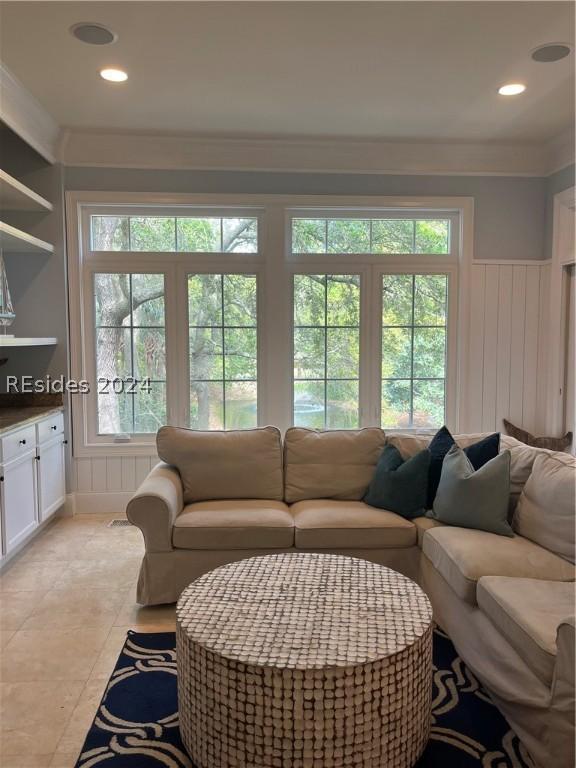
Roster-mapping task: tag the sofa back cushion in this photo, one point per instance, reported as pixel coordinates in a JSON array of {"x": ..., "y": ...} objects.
[
  {"x": 546, "y": 509},
  {"x": 237, "y": 464},
  {"x": 335, "y": 464}
]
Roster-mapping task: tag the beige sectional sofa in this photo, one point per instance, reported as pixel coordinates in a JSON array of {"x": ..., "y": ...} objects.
[{"x": 507, "y": 603}]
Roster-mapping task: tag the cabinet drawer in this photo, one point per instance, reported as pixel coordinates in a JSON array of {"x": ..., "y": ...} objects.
[
  {"x": 50, "y": 427},
  {"x": 18, "y": 443}
]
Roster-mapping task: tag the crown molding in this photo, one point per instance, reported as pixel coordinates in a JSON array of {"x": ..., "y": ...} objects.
[
  {"x": 27, "y": 117},
  {"x": 165, "y": 151}
]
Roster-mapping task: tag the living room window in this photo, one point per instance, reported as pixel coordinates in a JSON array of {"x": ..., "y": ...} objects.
[
  {"x": 233, "y": 316},
  {"x": 223, "y": 347}
]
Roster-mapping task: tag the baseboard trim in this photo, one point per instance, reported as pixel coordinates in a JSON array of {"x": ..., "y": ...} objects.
[{"x": 101, "y": 503}]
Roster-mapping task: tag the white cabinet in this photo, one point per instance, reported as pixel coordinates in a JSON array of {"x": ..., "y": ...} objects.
[
  {"x": 33, "y": 482},
  {"x": 51, "y": 478},
  {"x": 19, "y": 499}
]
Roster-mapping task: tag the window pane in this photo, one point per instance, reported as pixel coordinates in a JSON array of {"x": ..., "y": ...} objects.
[
  {"x": 113, "y": 353},
  {"x": 115, "y": 413},
  {"x": 152, "y": 233},
  {"x": 429, "y": 352},
  {"x": 309, "y": 299},
  {"x": 149, "y": 345},
  {"x": 225, "y": 354},
  {"x": 240, "y": 297},
  {"x": 195, "y": 234},
  {"x": 342, "y": 410},
  {"x": 205, "y": 300},
  {"x": 396, "y": 353},
  {"x": 309, "y": 404},
  {"x": 432, "y": 236},
  {"x": 397, "y": 300},
  {"x": 309, "y": 360},
  {"x": 206, "y": 405},
  {"x": 343, "y": 300},
  {"x": 413, "y": 350},
  {"x": 241, "y": 405},
  {"x": 240, "y": 353},
  {"x": 240, "y": 235},
  {"x": 343, "y": 352},
  {"x": 430, "y": 300},
  {"x": 326, "y": 349},
  {"x": 110, "y": 233},
  {"x": 150, "y": 407},
  {"x": 393, "y": 236},
  {"x": 130, "y": 349},
  {"x": 206, "y": 359},
  {"x": 148, "y": 300},
  {"x": 309, "y": 236},
  {"x": 429, "y": 403},
  {"x": 348, "y": 236},
  {"x": 395, "y": 403}
]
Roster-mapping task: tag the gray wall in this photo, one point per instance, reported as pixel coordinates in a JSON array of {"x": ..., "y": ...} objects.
[
  {"x": 509, "y": 211},
  {"x": 555, "y": 183}
]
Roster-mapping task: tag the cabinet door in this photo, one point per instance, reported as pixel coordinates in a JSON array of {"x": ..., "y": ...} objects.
[
  {"x": 18, "y": 500},
  {"x": 51, "y": 478}
]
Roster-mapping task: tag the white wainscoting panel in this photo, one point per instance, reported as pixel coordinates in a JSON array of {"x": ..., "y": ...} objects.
[{"x": 506, "y": 349}]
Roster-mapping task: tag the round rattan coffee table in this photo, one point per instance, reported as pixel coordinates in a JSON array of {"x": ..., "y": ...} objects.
[{"x": 304, "y": 660}]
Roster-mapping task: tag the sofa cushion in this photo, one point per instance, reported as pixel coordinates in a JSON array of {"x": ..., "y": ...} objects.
[
  {"x": 238, "y": 464},
  {"x": 400, "y": 485},
  {"x": 474, "y": 499},
  {"x": 424, "y": 524},
  {"x": 546, "y": 510},
  {"x": 528, "y": 612},
  {"x": 335, "y": 464},
  {"x": 329, "y": 524},
  {"x": 463, "y": 555},
  {"x": 234, "y": 524},
  {"x": 478, "y": 453}
]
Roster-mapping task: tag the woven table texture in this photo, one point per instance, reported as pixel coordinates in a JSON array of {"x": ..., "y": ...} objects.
[{"x": 304, "y": 660}]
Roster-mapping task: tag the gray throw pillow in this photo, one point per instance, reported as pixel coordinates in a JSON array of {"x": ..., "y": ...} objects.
[{"x": 474, "y": 499}]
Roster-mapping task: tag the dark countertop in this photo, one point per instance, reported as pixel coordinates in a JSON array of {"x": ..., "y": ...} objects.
[{"x": 12, "y": 417}]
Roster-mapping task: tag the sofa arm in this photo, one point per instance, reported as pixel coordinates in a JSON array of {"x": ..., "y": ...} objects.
[
  {"x": 562, "y": 702},
  {"x": 155, "y": 506}
]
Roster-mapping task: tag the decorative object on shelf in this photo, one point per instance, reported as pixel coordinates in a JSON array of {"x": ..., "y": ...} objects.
[
  {"x": 7, "y": 314},
  {"x": 551, "y": 443}
]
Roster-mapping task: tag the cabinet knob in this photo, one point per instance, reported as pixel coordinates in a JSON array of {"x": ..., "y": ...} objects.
[
  {"x": 37, "y": 458},
  {"x": 65, "y": 442},
  {"x": 54, "y": 427},
  {"x": 22, "y": 442},
  {"x": 2, "y": 479}
]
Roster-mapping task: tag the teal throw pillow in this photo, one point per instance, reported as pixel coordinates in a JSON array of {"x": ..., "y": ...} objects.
[
  {"x": 400, "y": 486},
  {"x": 474, "y": 498}
]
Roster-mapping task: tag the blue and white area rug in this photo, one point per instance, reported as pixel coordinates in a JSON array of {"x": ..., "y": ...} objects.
[{"x": 136, "y": 725}]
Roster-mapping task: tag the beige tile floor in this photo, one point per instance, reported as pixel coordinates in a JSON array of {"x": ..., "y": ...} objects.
[{"x": 66, "y": 604}]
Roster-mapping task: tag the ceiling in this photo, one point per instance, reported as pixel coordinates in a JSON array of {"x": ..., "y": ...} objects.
[{"x": 374, "y": 70}]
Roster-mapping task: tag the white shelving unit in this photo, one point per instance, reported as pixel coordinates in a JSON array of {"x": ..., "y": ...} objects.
[
  {"x": 15, "y": 341},
  {"x": 15, "y": 196},
  {"x": 13, "y": 240}
]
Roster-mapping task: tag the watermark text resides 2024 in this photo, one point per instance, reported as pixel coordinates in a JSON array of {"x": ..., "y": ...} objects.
[{"x": 61, "y": 384}]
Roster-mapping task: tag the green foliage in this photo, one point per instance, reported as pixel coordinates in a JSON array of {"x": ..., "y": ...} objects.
[{"x": 386, "y": 236}]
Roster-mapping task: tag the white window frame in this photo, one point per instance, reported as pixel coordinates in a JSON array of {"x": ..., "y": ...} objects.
[{"x": 274, "y": 266}]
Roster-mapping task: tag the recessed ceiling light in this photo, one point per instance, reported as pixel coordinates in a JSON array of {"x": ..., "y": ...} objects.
[
  {"x": 114, "y": 75},
  {"x": 511, "y": 89},
  {"x": 92, "y": 33},
  {"x": 549, "y": 52}
]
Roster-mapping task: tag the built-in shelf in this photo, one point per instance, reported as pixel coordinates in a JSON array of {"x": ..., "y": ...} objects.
[
  {"x": 14, "y": 240},
  {"x": 15, "y": 196},
  {"x": 22, "y": 341}
]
